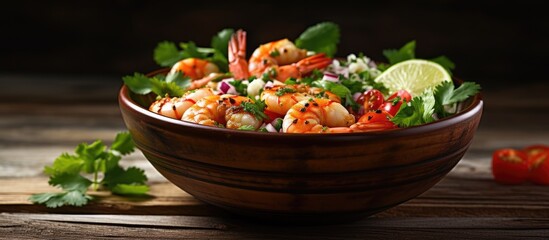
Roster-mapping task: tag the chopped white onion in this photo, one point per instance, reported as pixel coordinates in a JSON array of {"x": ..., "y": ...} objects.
[{"x": 270, "y": 128}]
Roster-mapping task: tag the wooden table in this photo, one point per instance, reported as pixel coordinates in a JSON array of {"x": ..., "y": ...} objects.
[{"x": 41, "y": 117}]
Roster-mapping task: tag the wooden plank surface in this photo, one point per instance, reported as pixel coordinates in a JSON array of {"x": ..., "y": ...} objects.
[
  {"x": 59, "y": 113},
  {"x": 13, "y": 226}
]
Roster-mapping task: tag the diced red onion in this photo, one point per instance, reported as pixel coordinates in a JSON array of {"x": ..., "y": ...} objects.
[
  {"x": 330, "y": 77},
  {"x": 226, "y": 88},
  {"x": 270, "y": 128}
]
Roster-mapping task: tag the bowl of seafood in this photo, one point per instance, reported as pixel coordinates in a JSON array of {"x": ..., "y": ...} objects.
[{"x": 292, "y": 134}]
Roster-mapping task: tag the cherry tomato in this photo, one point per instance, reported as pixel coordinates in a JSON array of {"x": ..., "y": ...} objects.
[
  {"x": 272, "y": 115},
  {"x": 376, "y": 116},
  {"x": 393, "y": 103},
  {"x": 371, "y": 100},
  {"x": 539, "y": 167},
  {"x": 510, "y": 166},
  {"x": 533, "y": 149}
]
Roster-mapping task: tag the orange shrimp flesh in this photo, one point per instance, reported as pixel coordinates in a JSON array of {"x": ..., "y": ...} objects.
[
  {"x": 222, "y": 111},
  {"x": 317, "y": 116},
  {"x": 280, "y": 98},
  {"x": 175, "y": 107},
  {"x": 195, "y": 68},
  {"x": 302, "y": 67}
]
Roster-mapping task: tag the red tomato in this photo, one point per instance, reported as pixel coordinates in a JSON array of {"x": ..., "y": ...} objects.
[
  {"x": 533, "y": 149},
  {"x": 371, "y": 100},
  {"x": 393, "y": 103},
  {"x": 376, "y": 116},
  {"x": 510, "y": 166},
  {"x": 539, "y": 167},
  {"x": 272, "y": 115}
]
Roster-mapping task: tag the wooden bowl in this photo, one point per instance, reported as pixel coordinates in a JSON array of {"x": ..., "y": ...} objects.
[{"x": 300, "y": 178}]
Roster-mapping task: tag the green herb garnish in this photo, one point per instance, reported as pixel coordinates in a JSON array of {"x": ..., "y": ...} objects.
[
  {"x": 321, "y": 38},
  {"x": 69, "y": 172},
  {"x": 256, "y": 108}
]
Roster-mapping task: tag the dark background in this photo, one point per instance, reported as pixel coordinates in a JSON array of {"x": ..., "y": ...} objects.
[{"x": 495, "y": 44}]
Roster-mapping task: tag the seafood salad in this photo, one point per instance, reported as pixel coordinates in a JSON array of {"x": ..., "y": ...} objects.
[{"x": 287, "y": 86}]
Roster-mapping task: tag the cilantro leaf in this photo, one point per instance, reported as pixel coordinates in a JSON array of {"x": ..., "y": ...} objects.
[
  {"x": 190, "y": 50},
  {"x": 166, "y": 54},
  {"x": 138, "y": 83},
  {"x": 89, "y": 153},
  {"x": 118, "y": 175},
  {"x": 70, "y": 182},
  {"x": 406, "y": 52},
  {"x": 65, "y": 163},
  {"x": 66, "y": 170},
  {"x": 464, "y": 91},
  {"x": 340, "y": 90},
  {"x": 54, "y": 200},
  {"x": 417, "y": 112},
  {"x": 322, "y": 37},
  {"x": 256, "y": 108},
  {"x": 445, "y": 62},
  {"x": 445, "y": 94},
  {"x": 163, "y": 88},
  {"x": 220, "y": 41},
  {"x": 130, "y": 189},
  {"x": 123, "y": 143}
]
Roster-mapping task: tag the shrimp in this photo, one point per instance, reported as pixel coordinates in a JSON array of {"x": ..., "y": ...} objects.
[
  {"x": 302, "y": 67},
  {"x": 222, "y": 111},
  {"x": 317, "y": 115},
  {"x": 238, "y": 65},
  {"x": 281, "y": 52},
  {"x": 280, "y": 59},
  {"x": 280, "y": 98},
  {"x": 175, "y": 107},
  {"x": 373, "y": 121},
  {"x": 195, "y": 68}
]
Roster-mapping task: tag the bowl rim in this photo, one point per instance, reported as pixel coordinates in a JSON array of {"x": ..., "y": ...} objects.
[{"x": 473, "y": 108}]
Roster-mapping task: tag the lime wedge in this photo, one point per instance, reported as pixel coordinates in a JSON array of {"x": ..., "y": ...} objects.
[{"x": 414, "y": 76}]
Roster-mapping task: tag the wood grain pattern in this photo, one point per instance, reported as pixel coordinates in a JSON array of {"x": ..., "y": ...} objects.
[{"x": 15, "y": 226}]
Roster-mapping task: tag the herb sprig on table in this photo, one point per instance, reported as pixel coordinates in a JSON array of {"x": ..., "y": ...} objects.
[{"x": 96, "y": 166}]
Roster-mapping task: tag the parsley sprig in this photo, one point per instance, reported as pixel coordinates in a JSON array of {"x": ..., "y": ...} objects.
[
  {"x": 173, "y": 84},
  {"x": 256, "y": 108},
  {"x": 93, "y": 165},
  {"x": 434, "y": 104},
  {"x": 167, "y": 53}
]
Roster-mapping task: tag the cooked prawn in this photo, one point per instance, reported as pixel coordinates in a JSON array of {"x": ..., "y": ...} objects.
[
  {"x": 281, "y": 52},
  {"x": 302, "y": 67},
  {"x": 174, "y": 107},
  {"x": 317, "y": 115},
  {"x": 222, "y": 111},
  {"x": 238, "y": 65},
  {"x": 280, "y": 59},
  {"x": 195, "y": 68},
  {"x": 280, "y": 98}
]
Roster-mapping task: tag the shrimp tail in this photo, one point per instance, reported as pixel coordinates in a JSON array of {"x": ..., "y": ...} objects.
[
  {"x": 304, "y": 66},
  {"x": 237, "y": 55},
  {"x": 317, "y": 61}
]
